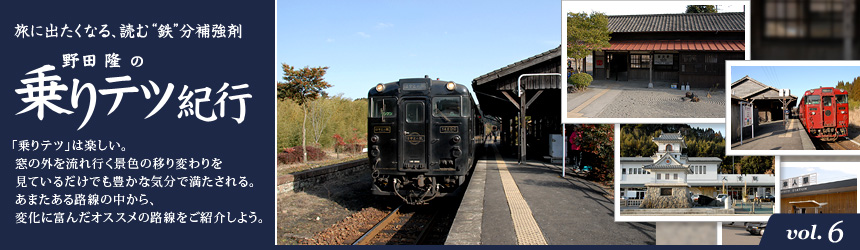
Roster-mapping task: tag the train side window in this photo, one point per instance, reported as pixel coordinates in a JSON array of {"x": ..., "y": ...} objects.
[
  {"x": 446, "y": 106},
  {"x": 841, "y": 99},
  {"x": 466, "y": 106},
  {"x": 813, "y": 99},
  {"x": 382, "y": 107},
  {"x": 827, "y": 101},
  {"x": 414, "y": 112}
]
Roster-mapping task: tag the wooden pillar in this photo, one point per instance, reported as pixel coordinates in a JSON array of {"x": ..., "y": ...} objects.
[
  {"x": 651, "y": 70},
  {"x": 522, "y": 127}
]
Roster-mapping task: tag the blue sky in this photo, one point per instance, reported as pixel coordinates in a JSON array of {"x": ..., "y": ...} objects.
[
  {"x": 797, "y": 78},
  {"x": 827, "y": 171},
  {"x": 368, "y": 42},
  {"x": 720, "y": 127}
]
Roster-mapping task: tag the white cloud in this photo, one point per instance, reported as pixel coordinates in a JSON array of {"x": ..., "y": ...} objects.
[
  {"x": 811, "y": 167},
  {"x": 330, "y": 40},
  {"x": 362, "y": 34},
  {"x": 383, "y": 25}
]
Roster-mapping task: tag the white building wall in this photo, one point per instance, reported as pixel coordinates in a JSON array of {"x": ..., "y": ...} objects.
[{"x": 709, "y": 177}]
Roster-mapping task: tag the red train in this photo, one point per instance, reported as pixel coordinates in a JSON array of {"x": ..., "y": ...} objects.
[{"x": 824, "y": 113}]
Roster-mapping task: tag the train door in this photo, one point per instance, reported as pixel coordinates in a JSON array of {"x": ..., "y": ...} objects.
[
  {"x": 414, "y": 138},
  {"x": 828, "y": 111}
]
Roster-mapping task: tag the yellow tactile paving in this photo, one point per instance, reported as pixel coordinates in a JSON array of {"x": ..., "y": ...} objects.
[
  {"x": 575, "y": 112},
  {"x": 528, "y": 232},
  {"x": 789, "y": 131}
]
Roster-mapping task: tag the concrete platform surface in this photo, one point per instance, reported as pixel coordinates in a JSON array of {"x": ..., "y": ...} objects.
[
  {"x": 532, "y": 204},
  {"x": 777, "y": 135}
]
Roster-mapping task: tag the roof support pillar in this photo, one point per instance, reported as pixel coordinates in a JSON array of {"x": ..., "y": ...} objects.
[
  {"x": 651, "y": 71},
  {"x": 521, "y": 90}
]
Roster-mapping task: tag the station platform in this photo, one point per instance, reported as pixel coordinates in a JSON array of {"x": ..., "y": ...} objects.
[
  {"x": 777, "y": 135},
  {"x": 531, "y": 204}
]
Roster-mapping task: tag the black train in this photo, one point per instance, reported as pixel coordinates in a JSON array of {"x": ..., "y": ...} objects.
[{"x": 423, "y": 136}]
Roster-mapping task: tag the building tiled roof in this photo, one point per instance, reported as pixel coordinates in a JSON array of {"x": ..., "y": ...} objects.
[
  {"x": 668, "y": 167},
  {"x": 748, "y": 88},
  {"x": 709, "y": 45},
  {"x": 729, "y": 21},
  {"x": 704, "y": 159},
  {"x": 669, "y": 137},
  {"x": 658, "y": 166}
]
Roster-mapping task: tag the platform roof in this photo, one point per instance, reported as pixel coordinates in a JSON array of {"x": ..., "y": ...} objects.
[{"x": 490, "y": 88}]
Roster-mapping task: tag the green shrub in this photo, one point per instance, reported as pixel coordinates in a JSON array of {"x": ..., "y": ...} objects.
[{"x": 580, "y": 80}]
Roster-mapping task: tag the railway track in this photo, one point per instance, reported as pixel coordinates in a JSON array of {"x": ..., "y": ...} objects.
[
  {"x": 412, "y": 225},
  {"x": 842, "y": 144}
]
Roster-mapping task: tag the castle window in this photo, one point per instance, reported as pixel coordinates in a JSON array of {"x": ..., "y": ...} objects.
[{"x": 666, "y": 192}]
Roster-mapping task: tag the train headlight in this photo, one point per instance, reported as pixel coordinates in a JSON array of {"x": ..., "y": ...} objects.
[
  {"x": 380, "y": 87},
  {"x": 374, "y": 138},
  {"x": 813, "y": 113},
  {"x": 842, "y": 112},
  {"x": 456, "y": 139},
  {"x": 449, "y": 86}
]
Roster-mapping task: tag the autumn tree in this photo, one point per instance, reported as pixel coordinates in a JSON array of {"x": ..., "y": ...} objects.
[
  {"x": 701, "y": 9},
  {"x": 585, "y": 34},
  {"x": 302, "y": 86},
  {"x": 597, "y": 140}
]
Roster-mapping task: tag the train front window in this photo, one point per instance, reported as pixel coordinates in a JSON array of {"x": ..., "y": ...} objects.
[
  {"x": 446, "y": 106},
  {"x": 841, "y": 99},
  {"x": 414, "y": 112},
  {"x": 813, "y": 99},
  {"x": 382, "y": 107},
  {"x": 827, "y": 101}
]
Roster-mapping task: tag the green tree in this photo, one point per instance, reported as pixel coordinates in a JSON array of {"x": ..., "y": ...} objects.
[
  {"x": 854, "y": 91},
  {"x": 302, "y": 86},
  {"x": 701, "y": 9},
  {"x": 756, "y": 164},
  {"x": 585, "y": 34}
]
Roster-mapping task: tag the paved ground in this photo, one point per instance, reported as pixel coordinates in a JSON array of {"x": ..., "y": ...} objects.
[
  {"x": 777, "y": 136},
  {"x": 565, "y": 211},
  {"x": 633, "y": 99},
  {"x": 686, "y": 233},
  {"x": 737, "y": 235}
]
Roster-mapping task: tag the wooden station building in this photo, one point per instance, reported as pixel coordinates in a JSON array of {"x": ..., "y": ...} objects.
[
  {"x": 497, "y": 93},
  {"x": 768, "y": 104},
  {"x": 838, "y": 197},
  {"x": 676, "y": 48}
]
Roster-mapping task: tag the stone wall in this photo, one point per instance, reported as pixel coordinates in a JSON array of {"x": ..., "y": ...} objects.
[
  {"x": 300, "y": 180},
  {"x": 680, "y": 198}
]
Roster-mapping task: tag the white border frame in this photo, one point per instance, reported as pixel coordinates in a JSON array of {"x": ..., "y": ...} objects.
[
  {"x": 810, "y": 63},
  {"x": 679, "y": 218},
  {"x": 567, "y": 120},
  {"x": 814, "y": 162}
]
